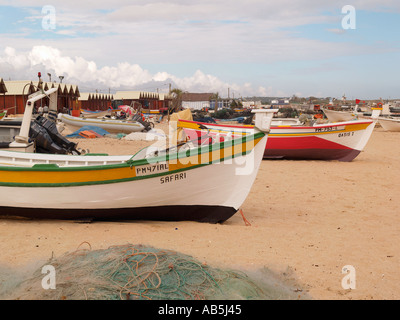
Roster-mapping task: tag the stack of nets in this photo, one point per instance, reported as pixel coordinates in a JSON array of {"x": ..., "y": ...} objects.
[{"x": 130, "y": 272}]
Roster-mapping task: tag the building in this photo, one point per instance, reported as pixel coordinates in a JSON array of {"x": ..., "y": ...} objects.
[
  {"x": 3, "y": 90},
  {"x": 68, "y": 95},
  {"x": 280, "y": 103},
  {"x": 196, "y": 101},
  {"x": 94, "y": 101},
  {"x": 251, "y": 104},
  {"x": 148, "y": 100},
  {"x": 15, "y": 98}
]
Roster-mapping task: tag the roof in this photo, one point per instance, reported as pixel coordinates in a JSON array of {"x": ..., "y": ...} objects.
[
  {"x": 85, "y": 96},
  {"x": 191, "y": 97},
  {"x": 164, "y": 96},
  {"x": 17, "y": 87},
  {"x": 135, "y": 95},
  {"x": 3, "y": 88}
]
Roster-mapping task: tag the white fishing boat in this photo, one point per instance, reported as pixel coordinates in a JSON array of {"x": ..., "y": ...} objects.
[
  {"x": 95, "y": 113},
  {"x": 340, "y": 116},
  {"x": 207, "y": 184},
  {"x": 389, "y": 124},
  {"x": 111, "y": 125}
]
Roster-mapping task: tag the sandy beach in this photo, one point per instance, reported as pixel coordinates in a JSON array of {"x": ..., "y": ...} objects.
[{"x": 308, "y": 219}]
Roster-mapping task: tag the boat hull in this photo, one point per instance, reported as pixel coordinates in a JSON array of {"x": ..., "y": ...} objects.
[
  {"x": 95, "y": 114},
  {"x": 206, "y": 187},
  {"x": 390, "y": 124},
  {"x": 113, "y": 126},
  {"x": 339, "y": 141},
  {"x": 340, "y": 116},
  {"x": 198, "y": 213},
  {"x": 312, "y": 153}
]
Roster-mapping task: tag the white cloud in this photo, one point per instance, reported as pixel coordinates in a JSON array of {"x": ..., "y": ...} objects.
[{"x": 87, "y": 73}]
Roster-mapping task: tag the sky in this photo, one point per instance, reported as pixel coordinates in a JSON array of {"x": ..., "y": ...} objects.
[{"x": 241, "y": 48}]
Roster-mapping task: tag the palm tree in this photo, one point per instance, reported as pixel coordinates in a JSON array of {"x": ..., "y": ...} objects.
[
  {"x": 215, "y": 97},
  {"x": 176, "y": 100}
]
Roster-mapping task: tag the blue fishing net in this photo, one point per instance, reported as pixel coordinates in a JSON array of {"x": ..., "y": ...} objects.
[{"x": 98, "y": 130}]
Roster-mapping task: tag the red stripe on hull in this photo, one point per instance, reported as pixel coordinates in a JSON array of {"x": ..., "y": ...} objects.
[
  {"x": 307, "y": 148},
  {"x": 293, "y": 148},
  {"x": 309, "y": 142}
]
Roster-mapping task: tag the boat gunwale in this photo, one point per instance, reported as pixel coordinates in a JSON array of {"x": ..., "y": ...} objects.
[
  {"x": 100, "y": 120},
  {"x": 352, "y": 122},
  {"x": 139, "y": 162},
  {"x": 130, "y": 179}
]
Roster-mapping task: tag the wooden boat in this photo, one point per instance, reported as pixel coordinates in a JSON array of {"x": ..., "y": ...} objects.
[
  {"x": 341, "y": 141},
  {"x": 95, "y": 114},
  {"x": 389, "y": 124},
  {"x": 207, "y": 184},
  {"x": 111, "y": 125},
  {"x": 340, "y": 116}
]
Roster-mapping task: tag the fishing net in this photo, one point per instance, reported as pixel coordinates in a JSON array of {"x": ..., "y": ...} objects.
[{"x": 131, "y": 272}]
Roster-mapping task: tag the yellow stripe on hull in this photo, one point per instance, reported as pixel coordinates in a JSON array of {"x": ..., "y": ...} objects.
[
  {"x": 59, "y": 175},
  {"x": 348, "y": 128}
]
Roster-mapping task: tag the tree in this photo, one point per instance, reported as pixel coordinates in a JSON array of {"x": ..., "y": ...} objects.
[
  {"x": 236, "y": 104},
  {"x": 176, "y": 100},
  {"x": 215, "y": 97}
]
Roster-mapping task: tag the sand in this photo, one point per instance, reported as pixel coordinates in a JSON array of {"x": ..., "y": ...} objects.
[{"x": 308, "y": 219}]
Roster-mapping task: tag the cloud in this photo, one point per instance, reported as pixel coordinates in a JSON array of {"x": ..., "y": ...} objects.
[
  {"x": 177, "y": 31},
  {"x": 200, "y": 45},
  {"x": 86, "y": 73}
]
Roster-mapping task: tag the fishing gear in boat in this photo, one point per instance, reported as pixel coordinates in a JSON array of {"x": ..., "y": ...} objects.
[{"x": 48, "y": 140}]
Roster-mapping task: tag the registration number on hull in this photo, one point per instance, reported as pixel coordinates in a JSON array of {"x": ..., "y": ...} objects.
[
  {"x": 149, "y": 169},
  {"x": 326, "y": 129}
]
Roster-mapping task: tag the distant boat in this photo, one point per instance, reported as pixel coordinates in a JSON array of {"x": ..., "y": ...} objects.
[
  {"x": 111, "y": 125},
  {"x": 201, "y": 183},
  {"x": 9, "y": 129},
  {"x": 341, "y": 141},
  {"x": 285, "y": 121},
  {"x": 389, "y": 124},
  {"x": 394, "y": 109},
  {"x": 95, "y": 114},
  {"x": 340, "y": 116}
]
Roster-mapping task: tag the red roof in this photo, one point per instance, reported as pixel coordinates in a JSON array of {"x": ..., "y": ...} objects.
[{"x": 196, "y": 96}]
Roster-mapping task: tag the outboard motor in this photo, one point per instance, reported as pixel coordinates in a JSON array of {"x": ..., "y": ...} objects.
[
  {"x": 138, "y": 118},
  {"x": 48, "y": 139}
]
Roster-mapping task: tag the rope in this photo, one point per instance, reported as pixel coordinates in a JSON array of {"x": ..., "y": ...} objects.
[{"x": 246, "y": 222}]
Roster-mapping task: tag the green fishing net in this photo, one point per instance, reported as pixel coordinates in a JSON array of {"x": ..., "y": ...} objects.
[{"x": 129, "y": 272}]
